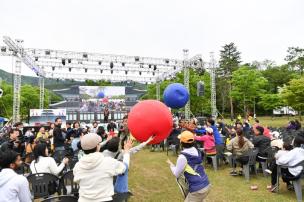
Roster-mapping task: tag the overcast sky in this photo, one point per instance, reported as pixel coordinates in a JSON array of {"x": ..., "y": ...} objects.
[{"x": 261, "y": 29}]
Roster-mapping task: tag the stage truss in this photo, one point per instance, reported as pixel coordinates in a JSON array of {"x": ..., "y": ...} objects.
[{"x": 58, "y": 64}]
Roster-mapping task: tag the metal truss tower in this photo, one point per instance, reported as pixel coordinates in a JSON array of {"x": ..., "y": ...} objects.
[
  {"x": 213, "y": 85},
  {"x": 186, "y": 81},
  {"x": 41, "y": 94},
  {"x": 17, "y": 89}
]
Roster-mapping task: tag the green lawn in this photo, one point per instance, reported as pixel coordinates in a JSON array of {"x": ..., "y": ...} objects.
[
  {"x": 151, "y": 180},
  {"x": 273, "y": 121}
]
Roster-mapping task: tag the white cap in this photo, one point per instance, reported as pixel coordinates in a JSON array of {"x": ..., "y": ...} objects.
[{"x": 209, "y": 130}]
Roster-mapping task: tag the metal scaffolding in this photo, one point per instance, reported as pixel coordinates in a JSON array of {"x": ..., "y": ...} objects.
[
  {"x": 82, "y": 66},
  {"x": 186, "y": 81},
  {"x": 212, "y": 68},
  {"x": 41, "y": 94},
  {"x": 17, "y": 88}
]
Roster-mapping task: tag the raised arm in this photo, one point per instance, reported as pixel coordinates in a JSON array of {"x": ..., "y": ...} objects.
[{"x": 180, "y": 165}]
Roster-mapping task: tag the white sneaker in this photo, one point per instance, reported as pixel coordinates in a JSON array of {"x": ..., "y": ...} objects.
[{"x": 268, "y": 171}]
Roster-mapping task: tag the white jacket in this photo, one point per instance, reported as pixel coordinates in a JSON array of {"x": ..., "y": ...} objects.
[
  {"x": 13, "y": 187},
  {"x": 46, "y": 165},
  {"x": 94, "y": 173},
  {"x": 292, "y": 158}
]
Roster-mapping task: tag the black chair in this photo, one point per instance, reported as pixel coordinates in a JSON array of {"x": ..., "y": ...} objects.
[
  {"x": 62, "y": 198},
  {"x": 122, "y": 197},
  {"x": 43, "y": 185},
  {"x": 68, "y": 185}
]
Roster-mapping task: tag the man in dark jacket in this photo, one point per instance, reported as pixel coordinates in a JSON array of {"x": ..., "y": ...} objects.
[
  {"x": 12, "y": 142},
  {"x": 261, "y": 142},
  {"x": 58, "y": 136}
]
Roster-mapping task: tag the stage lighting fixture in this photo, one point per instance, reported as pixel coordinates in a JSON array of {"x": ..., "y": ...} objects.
[
  {"x": 36, "y": 59},
  {"x": 123, "y": 64},
  {"x": 47, "y": 52},
  {"x": 139, "y": 73},
  {"x": 86, "y": 70},
  {"x": 150, "y": 66},
  {"x": 99, "y": 62},
  {"x": 136, "y": 58},
  {"x": 155, "y": 67},
  {"x": 153, "y": 73},
  {"x": 167, "y": 61},
  {"x": 70, "y": 69},
  {"x": 53, "y": 68},
  {"x": 101, "y": 71},
  {"x": 111, "y": 71},
  {"x": 126, "y": 72},
  {"x": 85, "y": 55},
  {"x": 69, "y": 60},
  {"x": 63, "y": 61},
  {"x": 3, "y": 49},
  {"x": 174, "y": 67},
  {"x": 111, "y": 65}
]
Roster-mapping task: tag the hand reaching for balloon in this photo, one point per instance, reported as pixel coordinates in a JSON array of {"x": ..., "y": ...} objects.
[
  {"x": 150, "y": 139},
  {"x": 128, "y": 145},
  {"x": 169, "y": 162}
]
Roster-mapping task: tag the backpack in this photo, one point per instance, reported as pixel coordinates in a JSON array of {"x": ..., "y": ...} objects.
[{"x": 183, "y": 183}]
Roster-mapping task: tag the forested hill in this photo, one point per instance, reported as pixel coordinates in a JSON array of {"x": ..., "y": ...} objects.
[{"x": 49, "y": 83}]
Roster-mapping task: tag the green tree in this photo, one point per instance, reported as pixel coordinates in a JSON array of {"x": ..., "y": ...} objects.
[
  {"x": 293, "y": 94},
  {"x": 29, "y": 99},
  {"x": 197, "y": 104},
  {"x": 278, "y": 76},
  {"x": 271, "y": 101},
  {"x": 6, "y": 101},
  {"x": 295, "y": 58},
  {"x": 230, "y": 58},
  {"x": 247, "y": 85},
  {"x": 98, "y": 83}
]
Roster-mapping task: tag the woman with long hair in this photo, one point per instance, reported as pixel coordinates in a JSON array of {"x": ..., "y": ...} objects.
[
  {"x": 239, "y": 146},
  {"x": 42, "y": 163}
]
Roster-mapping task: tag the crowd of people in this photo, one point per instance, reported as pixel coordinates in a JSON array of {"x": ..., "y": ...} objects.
[
  {"x": 282, "y": 147},
  {"x": 101, "y": 155}
]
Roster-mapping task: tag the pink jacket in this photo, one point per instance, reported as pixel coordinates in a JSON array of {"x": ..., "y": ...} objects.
[{"x": 209, "y": 143}]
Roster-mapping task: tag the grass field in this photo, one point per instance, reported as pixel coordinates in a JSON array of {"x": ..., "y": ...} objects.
[
  {"x": 273, "y": 121},
  {"x": 151, "y": 179}
]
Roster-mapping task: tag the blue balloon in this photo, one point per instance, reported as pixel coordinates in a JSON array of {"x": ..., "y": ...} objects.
[
  {"x": 100, "y": 95},
  {"x": 176, "y": 95}
]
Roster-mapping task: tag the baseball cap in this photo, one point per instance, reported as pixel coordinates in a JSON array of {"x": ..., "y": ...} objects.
[
  {"x": 90, "y": 141},
  {"x": 209, "y": 130},
  {"x": 186, "y": 137}
]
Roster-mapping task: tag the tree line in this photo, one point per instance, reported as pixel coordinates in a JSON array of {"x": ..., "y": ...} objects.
[
  {"x": 29, "y": 99},
  {"x": 247, "y": 88}
]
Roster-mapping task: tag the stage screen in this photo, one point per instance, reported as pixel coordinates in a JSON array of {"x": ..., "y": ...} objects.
[
  {"x": 97, "y": 98},
  {"x": 41, "y": 117}
]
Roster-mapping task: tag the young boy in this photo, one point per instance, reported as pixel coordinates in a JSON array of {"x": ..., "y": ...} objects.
[{"x": 189, "y": 163}]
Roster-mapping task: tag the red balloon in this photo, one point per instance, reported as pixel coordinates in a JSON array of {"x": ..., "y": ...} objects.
[{"x": 150, "y": 117}]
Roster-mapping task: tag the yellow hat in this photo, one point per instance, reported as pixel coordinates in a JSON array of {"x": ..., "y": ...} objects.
[{"x": 186, "y": 137}]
